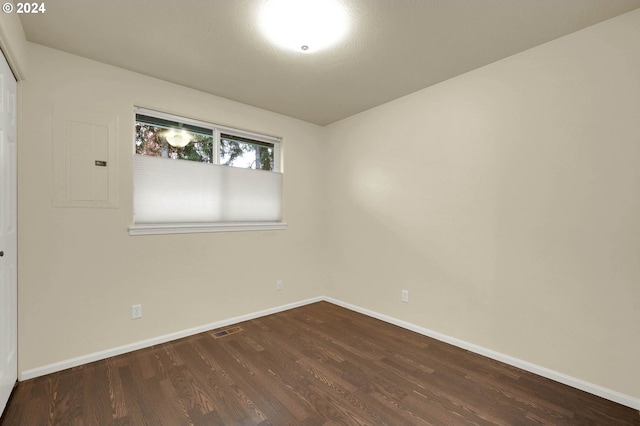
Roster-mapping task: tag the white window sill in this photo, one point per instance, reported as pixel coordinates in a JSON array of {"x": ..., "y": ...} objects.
[{"x": 193, "y": 228}]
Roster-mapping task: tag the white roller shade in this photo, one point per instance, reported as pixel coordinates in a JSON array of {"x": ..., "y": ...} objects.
[{"x": 180, "y": 191}]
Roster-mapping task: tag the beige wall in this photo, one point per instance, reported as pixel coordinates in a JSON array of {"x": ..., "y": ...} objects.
[
  {"x": 507, "y": 201},
  {"x": 80, "y": 271}
]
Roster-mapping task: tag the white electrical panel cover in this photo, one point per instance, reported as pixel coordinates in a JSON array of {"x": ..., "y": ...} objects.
[{"x": 84, "y": 152}]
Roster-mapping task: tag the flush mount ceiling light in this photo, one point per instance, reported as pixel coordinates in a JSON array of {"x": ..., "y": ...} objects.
[
  {"x": 304, "y": 25},
  {"x": 177, "y": 138}
]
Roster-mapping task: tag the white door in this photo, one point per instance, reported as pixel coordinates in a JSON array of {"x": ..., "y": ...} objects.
[{"x": 8, "y": 235}]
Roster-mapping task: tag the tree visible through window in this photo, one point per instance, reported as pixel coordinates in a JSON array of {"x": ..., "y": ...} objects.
[
  {"x": 152, "y": 140},
  {"x": 247, "y": 153}
]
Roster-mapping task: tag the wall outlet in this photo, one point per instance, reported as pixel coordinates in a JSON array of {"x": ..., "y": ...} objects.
[
  {"x": 405, "y": 296},
  {"x": 279, "y": 285},
  {"x": 136, "y": 311}
]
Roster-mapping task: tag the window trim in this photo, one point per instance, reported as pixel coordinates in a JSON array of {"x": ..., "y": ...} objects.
[
  {"x": 195, "y": 228},
  {"x": 206, "y": 227}
]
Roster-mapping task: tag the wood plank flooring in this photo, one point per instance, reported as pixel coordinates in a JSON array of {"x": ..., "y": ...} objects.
[{"x": 315, "y": 365}]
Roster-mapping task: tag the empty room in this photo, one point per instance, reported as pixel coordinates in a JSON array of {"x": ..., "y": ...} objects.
[{"x": 320, "y": 212}]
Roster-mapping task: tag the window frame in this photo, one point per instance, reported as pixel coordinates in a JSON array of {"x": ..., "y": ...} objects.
[{"x": 217, "y": 131}]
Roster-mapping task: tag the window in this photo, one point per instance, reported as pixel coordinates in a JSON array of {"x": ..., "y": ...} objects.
[
  {"x": 192, "y": 176},
  {"x": 151, "y": 139},
  {"x": 242, "y": 152}
]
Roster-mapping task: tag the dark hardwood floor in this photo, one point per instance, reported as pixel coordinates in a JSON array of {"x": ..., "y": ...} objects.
[{"x": 315, "y": 365}]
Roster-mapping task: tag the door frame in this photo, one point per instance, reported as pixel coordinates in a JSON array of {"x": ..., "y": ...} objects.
[
  {"x": 13, "y": 46},
  {"x": 9, "y": 241}
]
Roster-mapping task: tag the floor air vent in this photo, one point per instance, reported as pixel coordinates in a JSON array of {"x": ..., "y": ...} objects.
[{"x": 226, "y": 332}]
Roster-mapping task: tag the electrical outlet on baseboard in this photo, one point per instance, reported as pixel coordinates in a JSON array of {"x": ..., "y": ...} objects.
[
  {"x": 405, "y": 296},
  {"x": 279, "y": 284}
]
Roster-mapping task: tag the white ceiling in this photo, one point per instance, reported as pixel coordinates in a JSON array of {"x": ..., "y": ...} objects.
[{"x": 394, "y": 48}]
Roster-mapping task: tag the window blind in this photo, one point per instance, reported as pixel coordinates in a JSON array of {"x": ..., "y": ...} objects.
[{"x": 177, "y": 191}]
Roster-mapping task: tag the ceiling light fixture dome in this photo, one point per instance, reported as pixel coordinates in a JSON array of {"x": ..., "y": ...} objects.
[
  {"x": 177, "y": 138},
  {"x": 304, "y": 25}
]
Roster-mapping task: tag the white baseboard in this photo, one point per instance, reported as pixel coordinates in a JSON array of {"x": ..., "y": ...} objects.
[
  {"x": 96, "y": 356},
  {"x": 591, "y": 388}
]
